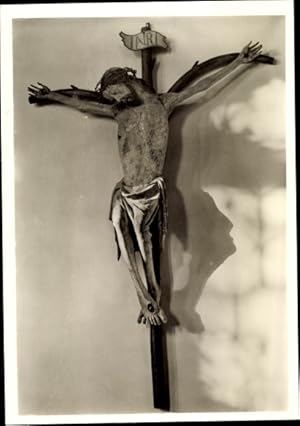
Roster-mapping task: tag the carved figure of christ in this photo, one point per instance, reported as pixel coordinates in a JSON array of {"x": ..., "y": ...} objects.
[{"x": 142, "y": 119}]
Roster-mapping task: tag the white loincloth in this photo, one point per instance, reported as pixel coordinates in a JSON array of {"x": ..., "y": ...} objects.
[{"x": 143, "y": 206}]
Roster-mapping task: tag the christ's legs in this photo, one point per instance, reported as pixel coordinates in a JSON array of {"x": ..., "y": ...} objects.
[
  {"x": 145, "y": 242},
  {"x": 149, "y": 308},
  {"x": 153, "y": 286}
]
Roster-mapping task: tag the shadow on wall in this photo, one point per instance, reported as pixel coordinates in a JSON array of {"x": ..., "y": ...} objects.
[{"x": 223, "y": 159}]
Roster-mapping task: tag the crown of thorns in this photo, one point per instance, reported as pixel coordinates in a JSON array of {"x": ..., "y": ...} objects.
[{"x": 115, "y": 75}]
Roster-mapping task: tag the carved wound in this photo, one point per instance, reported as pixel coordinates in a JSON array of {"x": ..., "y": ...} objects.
[{"x": 150, "y": 307}]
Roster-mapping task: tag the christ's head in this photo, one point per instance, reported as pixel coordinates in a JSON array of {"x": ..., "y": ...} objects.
[{"x": 121, "y": 86}]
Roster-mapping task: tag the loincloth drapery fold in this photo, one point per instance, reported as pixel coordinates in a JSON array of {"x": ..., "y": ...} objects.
[{"x": 142, "y": 208}]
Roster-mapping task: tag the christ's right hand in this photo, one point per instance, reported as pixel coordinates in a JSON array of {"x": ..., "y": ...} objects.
[{"x": 38, "y": 93}]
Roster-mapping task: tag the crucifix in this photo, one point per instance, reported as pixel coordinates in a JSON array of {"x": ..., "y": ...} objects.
[{"x": 139, "y": 201}]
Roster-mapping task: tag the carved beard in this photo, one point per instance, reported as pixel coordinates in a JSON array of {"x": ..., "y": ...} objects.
[{"x": 131, "y": 100}]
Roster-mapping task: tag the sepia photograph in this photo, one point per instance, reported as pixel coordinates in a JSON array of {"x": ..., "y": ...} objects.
[{"x": 149, "y": 218}]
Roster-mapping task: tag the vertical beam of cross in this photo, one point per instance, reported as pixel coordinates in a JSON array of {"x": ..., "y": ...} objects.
[
  {"x": 147, "y": 60},
  {"x": 159, "y": 361},
  {"x": 158, "y": 342},
  {"x": 145, "y": 41}
]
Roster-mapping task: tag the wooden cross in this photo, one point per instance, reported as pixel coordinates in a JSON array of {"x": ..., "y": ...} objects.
[{"x": 145, "y": 41}]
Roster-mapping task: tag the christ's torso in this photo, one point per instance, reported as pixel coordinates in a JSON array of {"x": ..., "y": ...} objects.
[{"x": 143, "y": 138}]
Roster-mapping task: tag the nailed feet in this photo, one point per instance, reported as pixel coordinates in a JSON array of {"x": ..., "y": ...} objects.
[{"x": 151, "y": 313}]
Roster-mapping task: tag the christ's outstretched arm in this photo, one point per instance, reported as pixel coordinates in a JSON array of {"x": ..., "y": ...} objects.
[
  {"x": 211, "y": 85},
  {"x": 43, "y": 93}
]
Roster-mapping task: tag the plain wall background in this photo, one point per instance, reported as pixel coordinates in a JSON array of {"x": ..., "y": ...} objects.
[{"x": 80, "y": 349}]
